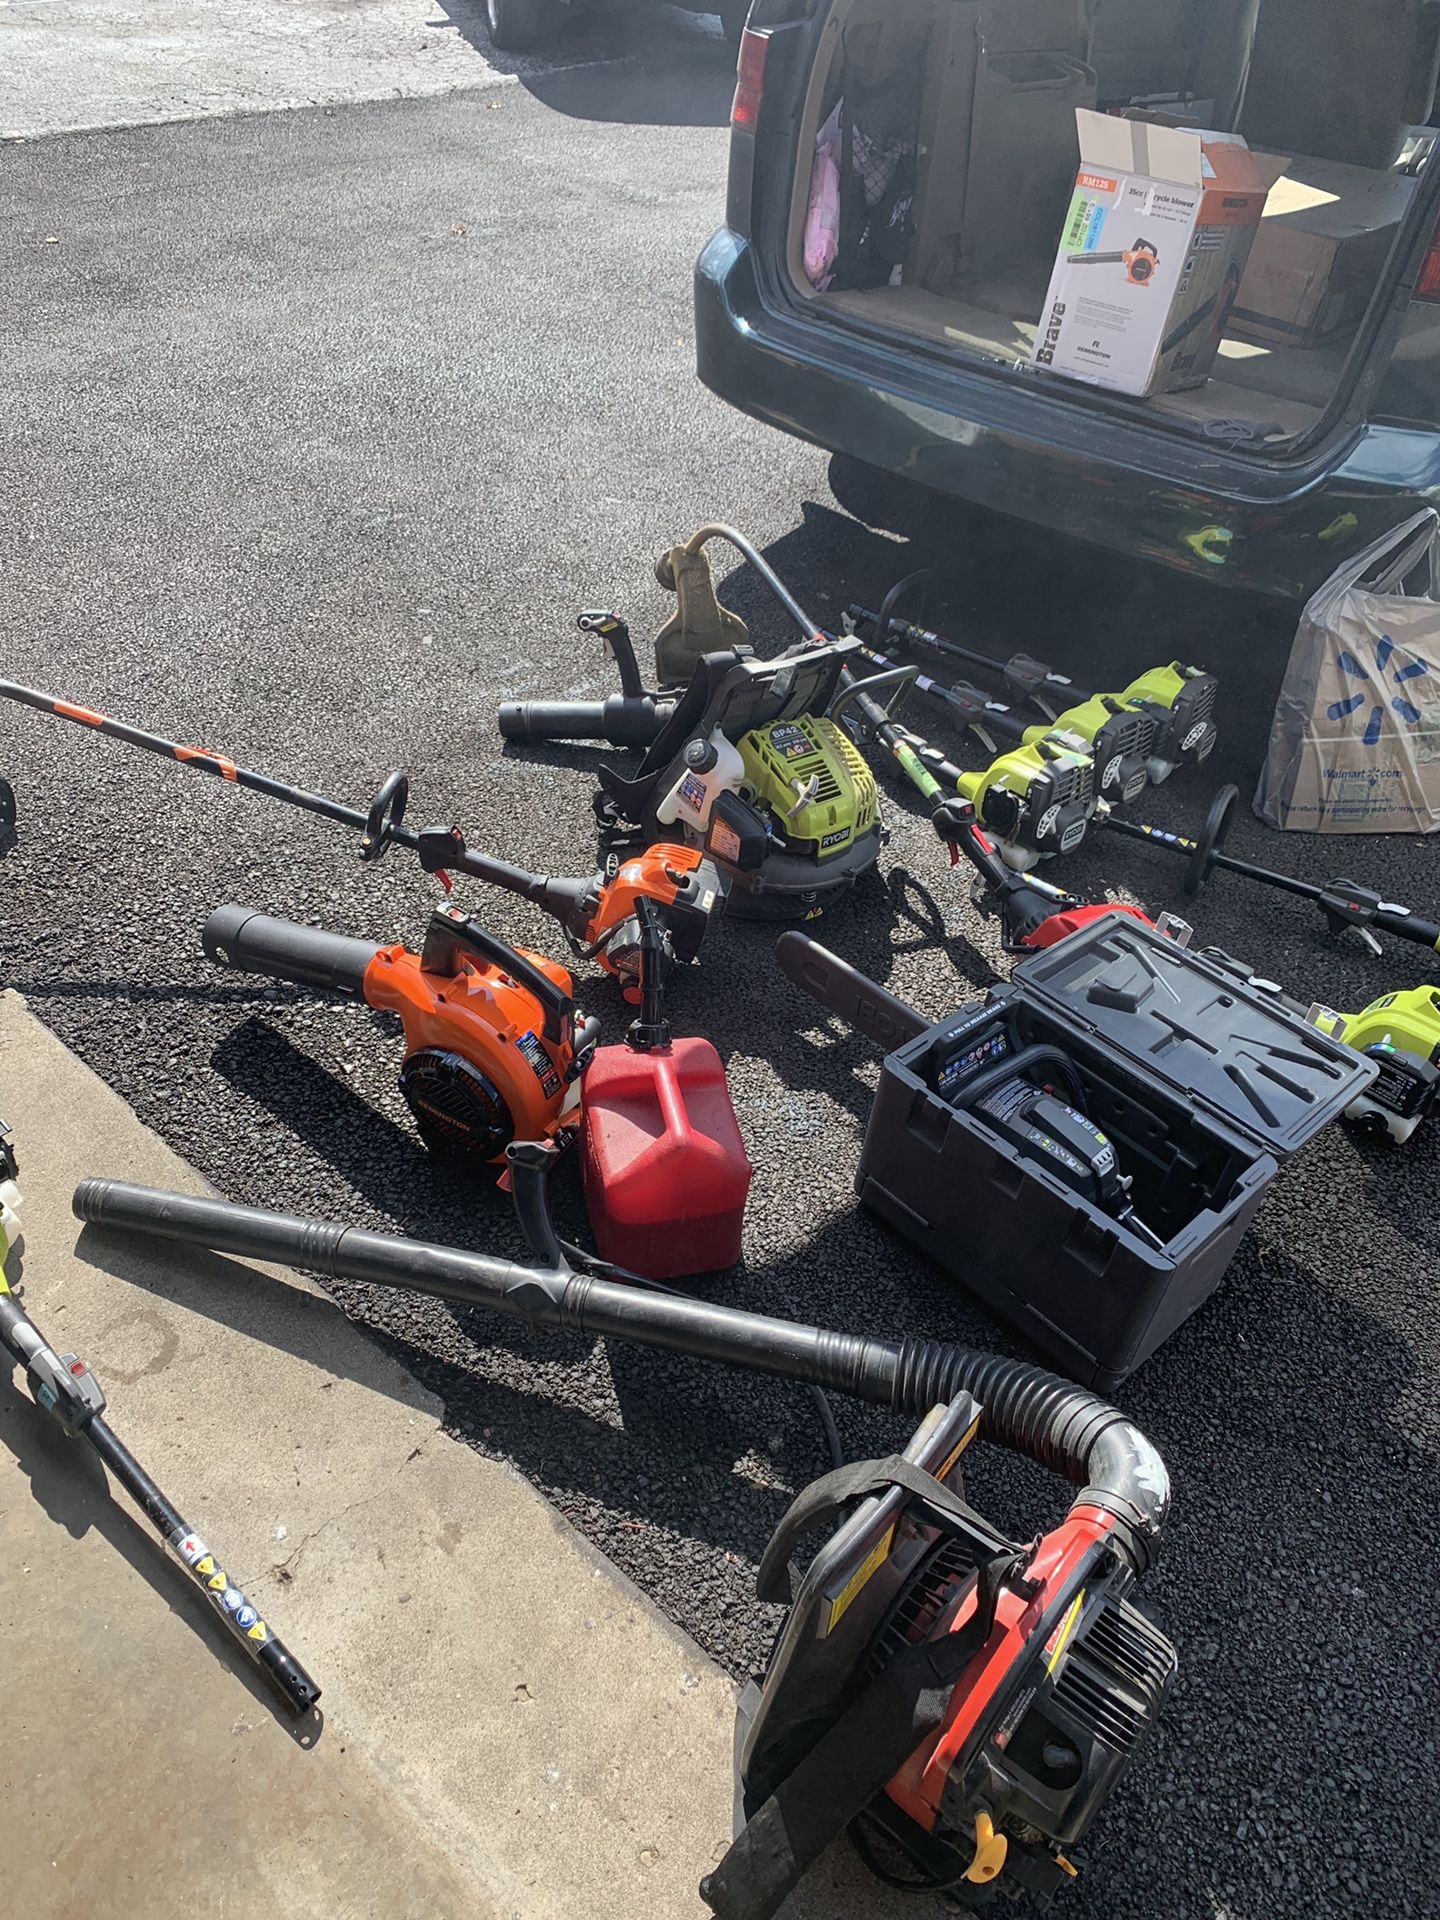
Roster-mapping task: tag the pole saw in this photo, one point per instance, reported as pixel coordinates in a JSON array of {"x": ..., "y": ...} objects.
[
  {"x": 62, "y": 1385},
  {"x": 597, "y": 914}
]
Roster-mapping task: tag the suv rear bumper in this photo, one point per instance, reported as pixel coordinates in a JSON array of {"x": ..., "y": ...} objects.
[{"x": 1278, "y": 528}]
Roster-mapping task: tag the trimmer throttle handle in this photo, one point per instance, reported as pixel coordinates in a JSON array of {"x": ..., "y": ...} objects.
[
  {"x": 1211, "y": 839},
  {"x": 386, "y": 812},
  {"x": 249, "y": 942}
]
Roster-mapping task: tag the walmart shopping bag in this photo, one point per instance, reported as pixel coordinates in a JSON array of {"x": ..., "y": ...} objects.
[{"x": 1355, "y": 743}]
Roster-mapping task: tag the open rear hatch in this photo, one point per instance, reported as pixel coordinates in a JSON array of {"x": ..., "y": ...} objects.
[{"x": 937, "y": 155}]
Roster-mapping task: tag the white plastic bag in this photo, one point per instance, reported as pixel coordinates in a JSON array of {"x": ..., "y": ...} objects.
[{"x": 1355, "y": 742}]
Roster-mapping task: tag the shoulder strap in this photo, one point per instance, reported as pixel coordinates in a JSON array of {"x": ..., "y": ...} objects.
[
  {"x": 851, "y": 1762},
  {"x": 824, "y": 1498}
]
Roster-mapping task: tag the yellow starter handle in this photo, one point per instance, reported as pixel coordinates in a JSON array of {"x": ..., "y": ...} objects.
[{"x": 990, "y": 1851}]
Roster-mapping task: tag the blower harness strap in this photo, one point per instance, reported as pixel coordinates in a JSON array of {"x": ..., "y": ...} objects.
[{"x": 867, "y": 1745}]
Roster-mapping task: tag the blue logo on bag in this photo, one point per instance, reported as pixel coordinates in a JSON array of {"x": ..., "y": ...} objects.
[{"x": 1408, "y": 712}]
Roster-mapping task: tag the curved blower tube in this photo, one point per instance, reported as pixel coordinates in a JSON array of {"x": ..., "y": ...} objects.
[
  {"x": 1063, "y": 1427},
  {"x": 624, "y": 720},
  {"x": 249, "y": 942}
]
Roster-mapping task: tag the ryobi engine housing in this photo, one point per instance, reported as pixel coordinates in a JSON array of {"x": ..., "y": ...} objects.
[
  {"x": 1036, "y": 800},
  {"x": 813, "y": 784}
]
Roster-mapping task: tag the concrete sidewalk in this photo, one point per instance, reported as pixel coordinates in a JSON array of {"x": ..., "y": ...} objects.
[{"x": 509, "y": 1729}]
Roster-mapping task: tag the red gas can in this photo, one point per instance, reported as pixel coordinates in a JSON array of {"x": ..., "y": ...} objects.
[{"x": 665, "y": 1169}]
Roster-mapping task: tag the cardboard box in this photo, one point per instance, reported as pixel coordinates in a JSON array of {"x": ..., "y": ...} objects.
[
  {"x": 1151, "y": 255},
  {"x": 1323, "y": 242}
]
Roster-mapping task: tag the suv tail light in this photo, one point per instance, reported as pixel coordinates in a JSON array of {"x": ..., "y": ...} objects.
[
  {"x": 1427, "y": 287},
  {"x": 750, "y": 79}
]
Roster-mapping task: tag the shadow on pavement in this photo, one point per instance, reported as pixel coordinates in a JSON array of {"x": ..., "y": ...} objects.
[
  {"x": 70, "y": 1486},
  {"x": 642, "y": 65}
]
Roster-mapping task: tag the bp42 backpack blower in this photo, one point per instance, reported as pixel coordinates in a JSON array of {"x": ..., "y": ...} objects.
[
  {"x": 744, "y": 761},
  {"x": 963, "y": 1703},
  {"x": 597, "y": 913}
]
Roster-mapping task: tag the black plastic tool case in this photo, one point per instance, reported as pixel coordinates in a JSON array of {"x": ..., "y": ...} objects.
[{"x": 1204, "y": 1085}]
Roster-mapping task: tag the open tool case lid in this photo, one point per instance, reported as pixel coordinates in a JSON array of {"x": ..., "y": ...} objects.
[{"x": 1181, "y": 1020}]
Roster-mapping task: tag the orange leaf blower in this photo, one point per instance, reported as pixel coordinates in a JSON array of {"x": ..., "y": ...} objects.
[{"x": 494, "y": 1049}]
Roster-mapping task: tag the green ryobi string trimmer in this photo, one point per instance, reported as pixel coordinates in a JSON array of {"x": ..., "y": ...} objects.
[
  {"x": 1174, "y": 704},
  {"x": 1032, "y": 801}
]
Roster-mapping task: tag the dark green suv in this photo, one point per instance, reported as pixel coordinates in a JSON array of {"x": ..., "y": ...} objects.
[{"x": 900, "y": 172}]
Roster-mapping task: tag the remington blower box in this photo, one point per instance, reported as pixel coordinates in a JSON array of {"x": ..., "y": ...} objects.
[
  {"x": 1179, "y": 1093},
  {"x": 1151, "y": 254}
]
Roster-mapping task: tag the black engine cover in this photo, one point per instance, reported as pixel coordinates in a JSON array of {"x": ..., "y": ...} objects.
[{"x": 457, "y": 1110}]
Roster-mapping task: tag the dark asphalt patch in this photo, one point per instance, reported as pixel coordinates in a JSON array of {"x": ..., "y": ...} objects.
[{"x": 319, "y": 429}]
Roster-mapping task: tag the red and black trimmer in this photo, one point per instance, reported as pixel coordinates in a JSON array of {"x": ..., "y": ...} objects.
[
  {"x": 597, "y": 914},
  {"x": 963, "y": 1703},
  {"x": 1032, "y": 912}
]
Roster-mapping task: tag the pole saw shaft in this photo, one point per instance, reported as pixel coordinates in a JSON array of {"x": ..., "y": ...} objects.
[
  {"x": 64, "y": 1387},
  {"x": 374, "y": 827}
]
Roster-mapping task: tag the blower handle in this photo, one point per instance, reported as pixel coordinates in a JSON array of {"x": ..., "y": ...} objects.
[
  {"x": 621, "y": 648},
  {"x": 250, "y": 942},
  {"x": 843, "y": 990},
  {"x": 452, "y": 935},
  {"x": 622, "y": 720}
]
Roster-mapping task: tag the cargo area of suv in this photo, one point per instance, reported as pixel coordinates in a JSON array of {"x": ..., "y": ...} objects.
[{"x": 950, "y": 130}]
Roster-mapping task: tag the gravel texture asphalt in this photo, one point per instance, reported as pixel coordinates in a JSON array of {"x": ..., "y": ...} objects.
[{"x": 318, "y": 428}]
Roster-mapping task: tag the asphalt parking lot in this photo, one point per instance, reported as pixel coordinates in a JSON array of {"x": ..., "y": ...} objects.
[{"x": 319, "y": 426}]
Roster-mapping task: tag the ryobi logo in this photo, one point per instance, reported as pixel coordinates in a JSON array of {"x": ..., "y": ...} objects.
[{"x": 1072, "y": 836}]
